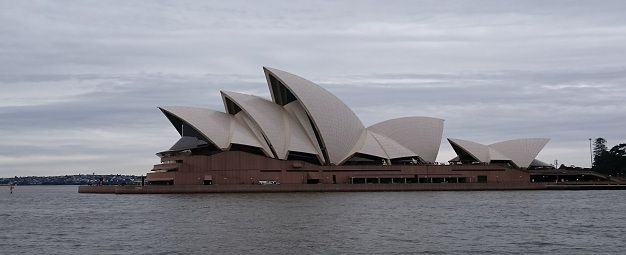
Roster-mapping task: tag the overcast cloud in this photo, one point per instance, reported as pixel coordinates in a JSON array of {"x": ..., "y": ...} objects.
[{"x": 80, "y": 80}]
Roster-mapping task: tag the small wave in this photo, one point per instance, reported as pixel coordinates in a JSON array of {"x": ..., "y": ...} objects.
[{"x": 538, "y": 243}]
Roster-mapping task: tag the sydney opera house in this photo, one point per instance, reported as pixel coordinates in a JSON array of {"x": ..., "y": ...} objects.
[{"x": 306, "y": 135}]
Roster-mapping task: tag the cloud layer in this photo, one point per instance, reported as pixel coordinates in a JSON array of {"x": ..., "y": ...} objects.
[{"x": 80, "y": 81}]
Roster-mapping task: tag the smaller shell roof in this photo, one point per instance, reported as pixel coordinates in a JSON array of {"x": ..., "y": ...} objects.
[
  {"x": 539, "y": 163},
  {"x": 283, "y": 132},
  {"x": 372, "y": 147},
  {"x": 267, "y": 115},
  {"x": 421, "y": 135},
  {"x": 255, "y": 132},
  {"x": 242, "y": 134},
  {"x": 521, "y": 152},
  {"x": 384, "y": 147},
  {"x": 221, "y": 129},
  {"x": 298, "y": 139},
  {"x": 478, "y": 151},
  {"x": 495, "y": 155},
  {"x": 392, "y": 148},
  {"x": 304, "y": 131},
  {"x": 214, "y": 125}
]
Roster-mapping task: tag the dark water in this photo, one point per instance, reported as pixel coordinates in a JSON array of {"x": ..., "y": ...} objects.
[{"x": 58, "y": 220}]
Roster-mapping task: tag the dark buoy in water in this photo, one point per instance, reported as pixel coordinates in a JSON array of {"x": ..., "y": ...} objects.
[{"x": 11, "y": 187}]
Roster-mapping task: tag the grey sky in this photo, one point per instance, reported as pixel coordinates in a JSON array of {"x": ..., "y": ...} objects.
[{"x": 80, "y": 80}]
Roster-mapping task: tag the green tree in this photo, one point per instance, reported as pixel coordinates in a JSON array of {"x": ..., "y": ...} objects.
[
  {"x": 610, "y": 162},
  {"x": 618, "y": 150},
  {"x": 600, "y": 155},
  {"x": 599, "y": 147},
  {"x": 616, "y": 164}
]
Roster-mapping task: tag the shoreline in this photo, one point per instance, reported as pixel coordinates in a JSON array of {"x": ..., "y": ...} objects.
[{"x": 285, "y": 188}]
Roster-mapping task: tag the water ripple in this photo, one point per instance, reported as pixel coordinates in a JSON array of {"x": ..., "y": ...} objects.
[{"x": 58, "y": 220}]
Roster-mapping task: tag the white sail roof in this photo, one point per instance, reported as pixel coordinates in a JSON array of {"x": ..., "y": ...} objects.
[
  {"x": 247, "y": 132},
  {"x": 371, "y": 146},
  {"x": 421, "y": 135},
  {"x": 392, "y": 148},
  {"x": 521, "y": 151},
  {"x": 214, "y": 125},
  {"x": 495, "y": 155},
  {"x": 267, "y": 115},
  {"x": 221, "y": 129},
  {"x": 476, "y": 150},
  {"x": 304, "y": 117},
  {"x": 281, "y": 131},
  {"x": 338, "y": 128}
]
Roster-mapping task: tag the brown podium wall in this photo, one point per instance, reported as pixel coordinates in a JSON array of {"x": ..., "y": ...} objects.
[{"x": 234, "y": 167}]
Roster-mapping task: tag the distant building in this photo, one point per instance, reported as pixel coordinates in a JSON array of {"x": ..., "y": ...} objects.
[{"x": 306, "y": 135}]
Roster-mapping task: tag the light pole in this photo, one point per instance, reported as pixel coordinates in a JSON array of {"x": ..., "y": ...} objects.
[{"x": 590, "y": 154}]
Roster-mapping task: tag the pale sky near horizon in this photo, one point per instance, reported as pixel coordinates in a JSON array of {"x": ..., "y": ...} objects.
[{"x": 80, "y": 81}]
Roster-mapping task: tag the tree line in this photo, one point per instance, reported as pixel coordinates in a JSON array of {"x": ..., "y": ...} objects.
[{"x": 610, "y": 162}]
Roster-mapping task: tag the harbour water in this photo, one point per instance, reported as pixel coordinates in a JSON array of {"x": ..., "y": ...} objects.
[{"x": 58, "y": 220}]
